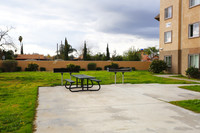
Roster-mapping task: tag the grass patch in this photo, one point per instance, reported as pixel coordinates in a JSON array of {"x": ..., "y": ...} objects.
[
  {"x": 193, "y": 105},
  {"x": 192, "y": 88},
  {"x": 18, "y": 93}
]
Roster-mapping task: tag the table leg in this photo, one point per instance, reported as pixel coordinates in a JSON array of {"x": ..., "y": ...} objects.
[
  {"x": 115, "y": 77},
  {"x": 82, "y": 84},
  {"x": 122, "y": 77},
  {"x": 76, "y": 82},
  {"x": 87, "y": 84},
  {"x": 61, "y": 78}
]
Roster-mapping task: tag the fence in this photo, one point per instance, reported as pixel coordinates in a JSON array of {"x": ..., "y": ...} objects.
[{"x": 50, "y": 65}]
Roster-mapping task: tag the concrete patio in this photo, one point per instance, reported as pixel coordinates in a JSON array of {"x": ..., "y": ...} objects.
[{"x": 129, "y": 108}]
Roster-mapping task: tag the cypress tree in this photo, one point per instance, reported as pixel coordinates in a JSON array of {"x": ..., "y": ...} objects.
[
  {"x": 107, "y": 53},
  {"x": 66, "y": 50},
  {"x": 85, "y": 51}
]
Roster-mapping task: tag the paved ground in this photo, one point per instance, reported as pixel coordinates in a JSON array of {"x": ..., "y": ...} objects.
[{"x": 129, "y": 108}]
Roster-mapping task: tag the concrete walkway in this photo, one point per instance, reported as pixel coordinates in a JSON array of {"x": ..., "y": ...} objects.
[
  {"x": 169, "y": 76},
  {"x": 129, "y": 108}
]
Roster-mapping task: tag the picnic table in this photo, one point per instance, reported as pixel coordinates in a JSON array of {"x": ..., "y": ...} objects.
[{"x": 81, "y": 78}]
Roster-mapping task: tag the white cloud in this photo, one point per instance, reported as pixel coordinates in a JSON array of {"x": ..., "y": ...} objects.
[{"x": 43, "y": 24}]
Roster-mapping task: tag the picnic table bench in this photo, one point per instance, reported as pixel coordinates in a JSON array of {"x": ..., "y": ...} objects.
[{"x": 81, "y": 78}]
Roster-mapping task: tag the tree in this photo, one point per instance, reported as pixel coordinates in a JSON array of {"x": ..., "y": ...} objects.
[
  {"x": 66, "y": 50},
  {"x": 85, "y": 51},
  {"x": 5, "y": 39},
  {"x": 151, "y": 51},
  {"x": 61, "y": 50},
  {"x": 132, "y": 55},
  {"x": 107, "y": 53},
  {"x": 20, "y": 40}
]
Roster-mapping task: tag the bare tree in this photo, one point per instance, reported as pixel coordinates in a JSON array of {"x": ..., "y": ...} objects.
[{"x": 5, "y": 39}]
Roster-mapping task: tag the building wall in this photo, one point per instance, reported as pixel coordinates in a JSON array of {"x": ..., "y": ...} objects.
[
  {"x": 181, "y": 45},
  {"x": 50, "y": 65}
]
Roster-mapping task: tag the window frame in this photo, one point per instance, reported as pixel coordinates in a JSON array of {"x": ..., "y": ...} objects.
[
  {"x": 171, "y": 37},
  {"x": 189, "y": 29},
  {"x": 167, "y": 10},
  {"x": 191, "y": 6},
  {"x": 189, "y": 64},
  {"x": 165, "y": 59}
]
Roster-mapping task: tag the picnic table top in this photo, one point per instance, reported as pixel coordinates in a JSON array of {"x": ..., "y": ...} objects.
[{"x": 83, "y": 76}]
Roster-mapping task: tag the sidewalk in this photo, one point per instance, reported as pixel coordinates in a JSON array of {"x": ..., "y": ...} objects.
[
  {"x": 127, "y": 108},
  {"x": 169, "y": 76}
]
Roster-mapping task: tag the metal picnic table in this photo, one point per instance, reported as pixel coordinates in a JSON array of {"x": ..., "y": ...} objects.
[{"x": 123, "y": 70}]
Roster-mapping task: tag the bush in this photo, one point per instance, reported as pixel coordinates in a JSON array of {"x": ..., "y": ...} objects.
[
  {"x": 133, "y": 69},
  {"x": 99, "y": 69},
  {"x": 18, "y": 69},
  {"x": 72, "y": 67},
  {"x": 158, "y": 66},
  {"x": 92, "y": 66},
  {"x": 1, "y": 70},
  {"x": 193, "y": 72},
  {"x": 82, "y": 69},
  {"x": 113, "y": 65},
  {"x": 32, "y": 67},
  {"x": 42, "y": 69},
  {"x": 9, "y": 65}
]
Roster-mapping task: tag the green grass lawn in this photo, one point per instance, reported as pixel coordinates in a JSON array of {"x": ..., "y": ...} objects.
[
  {"x": 193, "y": 105},
  {"x": 184, "y": 77},
  {"x": 192, "y": 88},
  {"x": 19, "y": 91}
]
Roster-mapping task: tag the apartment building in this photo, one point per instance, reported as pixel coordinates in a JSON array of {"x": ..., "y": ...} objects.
[{"x": 180, "y": 34}]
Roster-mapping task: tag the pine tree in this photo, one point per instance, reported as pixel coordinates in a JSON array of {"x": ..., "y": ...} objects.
[
  {"x": 85, "y": 51},
  {"x": 107, "y": 53}
]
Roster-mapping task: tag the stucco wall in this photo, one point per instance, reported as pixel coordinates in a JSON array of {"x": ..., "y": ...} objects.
[{"x": 49, "y": 65}]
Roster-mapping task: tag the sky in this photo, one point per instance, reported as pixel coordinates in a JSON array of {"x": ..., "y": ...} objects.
[{"x": 43, "y": 24}]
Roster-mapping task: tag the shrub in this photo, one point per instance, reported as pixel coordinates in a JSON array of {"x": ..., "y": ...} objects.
[
  {"x": 113, "y": 65},
  {"x": 42, "y": 69},
  {"x": 9, "y": 65},
  {"x": 82, "y": 69},
  {"x": 99, "y": 68},
  {"x": 158, "y": 66},
  {"x": 27, "y": 69},
  {"x": 1, "y": 70},
  {"x": 92, "y": 66},
  {"x": 72, "y": 67},
  {"x": 18, "y": 69},
  {"x": 133, "y": 69},
  {"x": 32, "y": 67},
  {"x": 193, "y": 72}
]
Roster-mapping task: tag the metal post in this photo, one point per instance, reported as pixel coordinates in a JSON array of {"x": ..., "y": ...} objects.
[
  {"x": 61, "y": 78},
  {"x": 122, "y": 77},
  {"x": 115, "y": 77}
]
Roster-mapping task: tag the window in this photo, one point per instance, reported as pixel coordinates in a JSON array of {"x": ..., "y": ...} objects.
[
  {"x": 194, "y": 60},
  {"x": 168, "y": 12},
  {"x": 194, "y": 30},
  {"x": 168, "y": 37},
  {"x": 168, "y": 60},
  {"x": 194, "y": 2}
]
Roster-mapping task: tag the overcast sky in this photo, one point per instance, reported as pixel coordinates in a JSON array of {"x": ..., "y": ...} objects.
[{"x": 44, "y": 23}]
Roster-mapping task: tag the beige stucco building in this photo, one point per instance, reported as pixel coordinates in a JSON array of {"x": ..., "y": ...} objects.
[{"x": 180, "y": 34}]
